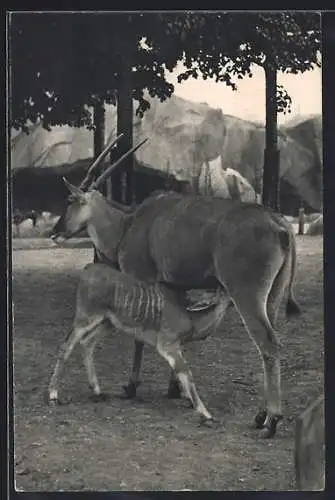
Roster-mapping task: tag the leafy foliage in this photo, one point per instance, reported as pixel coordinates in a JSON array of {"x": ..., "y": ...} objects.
[
  {"x": 62, "y": 64},
  {"x": 290, "y": 41},
  {"x": 284, "y": 101}
]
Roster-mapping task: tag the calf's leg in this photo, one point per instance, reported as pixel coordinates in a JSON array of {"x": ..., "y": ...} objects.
[
  {"x": 88, "y": 344},
  {"x": 173, "y": 355},
  {"x": 65, "y": 351}
]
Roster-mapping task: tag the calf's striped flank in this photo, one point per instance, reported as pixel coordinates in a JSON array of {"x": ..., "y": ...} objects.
[{"x": 142, "y": 303}]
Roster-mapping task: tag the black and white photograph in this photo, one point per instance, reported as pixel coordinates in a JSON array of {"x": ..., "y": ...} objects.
[{"x": 166, "y": 203}]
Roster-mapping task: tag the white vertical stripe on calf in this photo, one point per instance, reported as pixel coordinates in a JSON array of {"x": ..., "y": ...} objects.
[
  {"x": 153, "y": 304},
  {"x": 132, "y": 298},
  {"x": 161, "y": 299},
  {"x": 160, "y": 305},
  {"x": 116, "y": 294},
  {"x": 147, "y": 305},
  {"x": 126, "y": 300},
  {"x": 119, "y": 296},
  {"x": 140, "y": 300}
]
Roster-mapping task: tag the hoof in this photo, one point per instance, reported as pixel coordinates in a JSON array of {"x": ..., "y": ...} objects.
[
  {"x": 206, "y": 422},
  {"x": 269, "y": 430},
  {"x": 130, "y": 390},
  {"x": 98, "y": 398},
  {"x": 260, "y": 419},
  {"x": 189, "y": 403},
  {"x": 174, "y": 391},
  {"x": 54, "y": 402}
]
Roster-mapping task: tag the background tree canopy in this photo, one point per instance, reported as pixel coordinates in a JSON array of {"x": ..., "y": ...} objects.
[
  {"x": 65, "y": 65},
  {"x": 62, "y": 63}
]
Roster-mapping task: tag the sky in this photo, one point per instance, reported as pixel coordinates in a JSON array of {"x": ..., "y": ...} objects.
[{"x": 248, "y": 101}]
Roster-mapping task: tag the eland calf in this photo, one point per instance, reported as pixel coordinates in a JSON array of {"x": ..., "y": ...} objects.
[{"x": 108, "y": 298}]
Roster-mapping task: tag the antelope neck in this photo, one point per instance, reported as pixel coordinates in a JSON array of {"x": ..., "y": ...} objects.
[{"x": 106, "y": 228}]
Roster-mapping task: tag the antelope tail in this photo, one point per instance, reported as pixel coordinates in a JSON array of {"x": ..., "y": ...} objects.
[
  {"x": 288, "y": 244},
  {"x": 292, "y": 307}
]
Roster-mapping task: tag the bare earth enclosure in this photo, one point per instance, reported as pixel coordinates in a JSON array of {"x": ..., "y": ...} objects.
[{"x": 153, "y": 443}]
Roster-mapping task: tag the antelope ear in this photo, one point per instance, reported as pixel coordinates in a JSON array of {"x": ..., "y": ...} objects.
[{"x": 74, "y": 190}]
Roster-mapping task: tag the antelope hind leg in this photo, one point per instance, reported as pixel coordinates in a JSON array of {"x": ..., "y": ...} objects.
[
  {"x": 173, "y": 355},
  {"x": 174, "y": 391},
  {"x": 130, "y": 389},
  {"x": 205, "y": 324},
  {"x": 274, "y": 300},
  {"x": 261, "y": 331}
]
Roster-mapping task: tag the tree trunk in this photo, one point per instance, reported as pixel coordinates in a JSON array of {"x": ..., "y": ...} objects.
[
  {"x": 234, "y": 189},
  {"x": 301, "y": 229},
  {"x": 99, "y": 128},
  {"x": 271, "y": 173},
  {"x": 109, "y": 194},
  {"x": 123, "y": 188},
  {"x": 99, "y": 143}
]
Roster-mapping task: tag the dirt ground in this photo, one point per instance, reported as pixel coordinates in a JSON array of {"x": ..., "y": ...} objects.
[{"x": 153, "y": 443}]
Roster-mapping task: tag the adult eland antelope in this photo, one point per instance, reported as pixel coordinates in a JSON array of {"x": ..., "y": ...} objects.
[{"x": 187, "y": 242}]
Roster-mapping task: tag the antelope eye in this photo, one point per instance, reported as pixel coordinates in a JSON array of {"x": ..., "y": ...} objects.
[{"x": 70, "y": 199}]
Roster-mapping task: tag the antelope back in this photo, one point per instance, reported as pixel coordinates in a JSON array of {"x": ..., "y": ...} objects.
[{"x": 177, "y": 239}]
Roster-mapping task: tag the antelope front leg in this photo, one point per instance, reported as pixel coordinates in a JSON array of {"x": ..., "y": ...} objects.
[
  {"x": 134, "y": 380},
  {"x": 91, "y": 374},
  {"x": 75, "y": 336},
  {"x": 88, "y": 346},
  {"x": 63, "y": 354}
]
